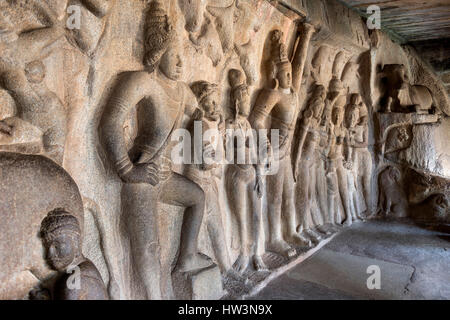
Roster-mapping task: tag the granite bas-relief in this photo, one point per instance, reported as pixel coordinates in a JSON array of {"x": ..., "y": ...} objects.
[{"x": 332, "y": 119}]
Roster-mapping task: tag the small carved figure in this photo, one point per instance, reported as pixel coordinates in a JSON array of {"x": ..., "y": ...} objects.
[
  {"x": 79, "y": 278},
  {"x": 208, "y": 173},
  {"x": 400, "y": 95},
  {"x": 392, "y": 199},
  {"x": 243, "y": 179},
  {"x": 22, "y": 76},
  {"x": 280, "y": 104}
]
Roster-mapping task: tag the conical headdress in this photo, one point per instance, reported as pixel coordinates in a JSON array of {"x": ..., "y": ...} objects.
[{"x": 159, "y": 33}]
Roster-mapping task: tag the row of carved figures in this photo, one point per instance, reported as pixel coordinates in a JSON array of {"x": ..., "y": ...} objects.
[{"x": 331, "y": 153}]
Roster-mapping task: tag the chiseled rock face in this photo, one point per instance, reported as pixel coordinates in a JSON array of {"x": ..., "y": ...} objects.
[{"x": 90, "y": 120}]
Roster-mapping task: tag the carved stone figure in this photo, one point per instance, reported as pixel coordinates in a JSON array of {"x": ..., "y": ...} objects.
[
  {"x": 79, "y": 278},
  {"x": 335, "y": 165},
  {"x": 306, "y": 160},
  {"x": 208, "y": 173},
  {"x": 392, "y": 199},
  {"x": 281, "y": 105},
  {"x": 22, "y": 76},
  {"x": 357, "y": 153},
  {"x": 31, "y": 186},
  {"x": 243, "y": 178},
  {"x": 400, "y": 95},
  {"x": 161, "y": 100}
]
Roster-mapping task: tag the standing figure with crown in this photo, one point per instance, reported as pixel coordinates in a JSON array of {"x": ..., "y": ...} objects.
[
  {"x": 161, "y": 99},
  {"x": 280, "y": 105}
]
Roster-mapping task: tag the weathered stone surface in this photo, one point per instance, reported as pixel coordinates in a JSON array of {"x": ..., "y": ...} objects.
[{"x": 110, "y": 122}]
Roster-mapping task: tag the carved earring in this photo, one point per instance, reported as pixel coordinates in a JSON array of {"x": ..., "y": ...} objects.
[{"x": 276, "y": 84}]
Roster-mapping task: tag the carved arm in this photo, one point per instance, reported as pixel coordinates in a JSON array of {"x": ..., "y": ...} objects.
[{"x": 298, "y": 64}]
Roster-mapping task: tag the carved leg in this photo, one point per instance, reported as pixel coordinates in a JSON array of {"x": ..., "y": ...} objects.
[
  {"x": 140, "y": 211},
  {"x": 180, "y": 191},
  {"x": 257, "y": 251},
  {"x": 343, "y": 191},
  {"x": 367, "y": 181},
  {"x": 215, "y": 228},
  {"x": 237, "y": 190},
  {"x": 274, "y": 200},
  {"x": 289, "y": 207}
]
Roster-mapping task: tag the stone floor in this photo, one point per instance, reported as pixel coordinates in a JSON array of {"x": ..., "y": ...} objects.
[{"x": 414, "y": 263}]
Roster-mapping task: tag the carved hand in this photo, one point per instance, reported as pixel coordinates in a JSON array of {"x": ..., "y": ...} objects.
[
  {"x": 5, "y": 128},
  {"x": 142, "y": 173}
]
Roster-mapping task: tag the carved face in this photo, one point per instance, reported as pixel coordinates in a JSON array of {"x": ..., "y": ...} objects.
[
  {"x": 352, "y": 117},
  {"x": 318, "y": 102},
  {"x": 193, "y": 11},
  {"x": 209, "y": 103},
  {"x": 337, "y": 116},
  {"x": 355, "y": 99},
  {"x": 284, "y": 76},
  {"x": 62, "y": 249},
  {"x": 171, "y": 64}
]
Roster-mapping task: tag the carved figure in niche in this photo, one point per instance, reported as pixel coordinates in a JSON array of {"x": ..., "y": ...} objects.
[
  {"x": 23, "y": 77},
  {"x": 400, "y": 95},
  {"x": 306, "y": 160},
  {"x": 161, "y": 100},
  {"x": 280, "y": 104},
  {"x": 78, "y": 279},
  {"x": 208, "y": 173},
  {"x": 357, "y": 151},
  {"x": 243, "y": 179},
  {"x": 350, "y": 158},
  {"x": 392, "y": 198},
  {"x": 335, "y": 166}
]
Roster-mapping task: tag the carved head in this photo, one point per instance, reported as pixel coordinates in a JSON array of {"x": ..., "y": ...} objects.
[
  {"x": 159, "y": 34},
  {"x": 318, "y": 104},
  {"x": 336, "y": 88},
  {"x": 394, "y": 174},
  {"x": 35, "y": 71},
  {"x": 337, "y": 116},
  {"x": 240, "y": 97},
  {"x": 193, "y": 11},
  {"x": 171, "y": 64},
  {"x": 352, "y": 116},
  {"x": 207, "y": 96},
  {"x": 61, "y": 236},
  {"x": 282, "y": 68},
  {"x": 396, "y": 76}
]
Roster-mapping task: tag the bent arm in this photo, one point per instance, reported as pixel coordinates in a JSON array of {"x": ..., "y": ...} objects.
[{"x": 125, "y": 97}]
